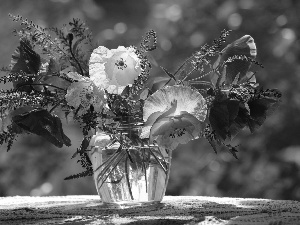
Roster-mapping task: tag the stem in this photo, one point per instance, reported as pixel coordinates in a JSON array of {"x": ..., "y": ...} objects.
[
  {"x": 158, "y": 161},
  {"x": 45, "y": 36},
  {"x": 179, "y": 68},
  {"x": 129, "y": 156},
  {"x": 56, "y": 105},
  {"x": 127, "y": 178},
  {"x": 58, "y": 75},
  {"x": 188, "y": 74},
  {"x": 202, "y": 82},
  {"x": 163, "y": 157},
  {"x": 200, "y": 60},
  {"x": 144, "y": 167},
  {"x": 105, "y": 178},
  {"x": 71, "y": 51},
  {"x": 50, "y": 85},
  {"x": 204, "y": 75},
  {"x": 109, "y": 160},
  {"x": 183, "y": 64}
]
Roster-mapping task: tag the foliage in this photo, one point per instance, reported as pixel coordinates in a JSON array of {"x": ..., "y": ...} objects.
[
  {"x": 42, "y": 71},
  {"x": 40, "y": 81}
]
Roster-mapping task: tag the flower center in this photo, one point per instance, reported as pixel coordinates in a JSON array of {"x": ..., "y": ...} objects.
[{"x": 121, "y": 64}]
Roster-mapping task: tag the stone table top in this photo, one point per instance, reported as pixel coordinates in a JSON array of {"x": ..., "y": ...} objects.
[{"x": 88, "y": 209}]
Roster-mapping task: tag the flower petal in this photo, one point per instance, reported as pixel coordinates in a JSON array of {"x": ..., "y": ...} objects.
[
  {"x": 155, "y": 117},
  {"x": 169, "y": 132},
  {"x": 99, "y": 140},
  {"x": 75, "y": 76},
  {"x": 152, "y": 118},
  {"x": 108, "y": 70},
  {"x": 83, "y": 94},
  {"x": 145, "y": 132},
  {"x": 198, "y": 125},
  {"x": 187, "y": 100},
  {"x": 161, "y": 126}
]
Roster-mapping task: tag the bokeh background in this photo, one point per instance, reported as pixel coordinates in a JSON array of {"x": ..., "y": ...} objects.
[{"x": 269, "y": 160}]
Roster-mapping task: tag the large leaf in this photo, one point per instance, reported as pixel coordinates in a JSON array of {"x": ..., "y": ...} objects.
[
  {"x": 53, "y": 83},
  {"x": 51, "y": 80},
  {"x": 240, "y": 121},
  {"x": 25, "y": 60},
  {"x": 260, "y": 108},
  {"x": 254, "y": 113},
  {"x": 218, "y": 118},
  {"x": 53, "y": 67},
  {"x": 42, "y": 123},
  {"x": 243, "y": 47},
  {"x": 222, "y": 114}
]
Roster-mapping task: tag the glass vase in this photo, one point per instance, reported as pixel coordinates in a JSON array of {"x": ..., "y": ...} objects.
[{"x": 131, "y": 177}]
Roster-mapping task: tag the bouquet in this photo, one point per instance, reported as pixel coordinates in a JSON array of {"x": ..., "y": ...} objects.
[{"x": 58, "y": 74}]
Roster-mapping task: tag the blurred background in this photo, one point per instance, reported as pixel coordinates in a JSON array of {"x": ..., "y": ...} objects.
[{"x": 269, "y": 160}]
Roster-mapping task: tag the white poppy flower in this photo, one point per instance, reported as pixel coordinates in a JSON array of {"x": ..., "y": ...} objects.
[
  {"x": 83, "y": 93},
  {"x": 114, "y": 69},
  {"x": 173, "y": 115}
]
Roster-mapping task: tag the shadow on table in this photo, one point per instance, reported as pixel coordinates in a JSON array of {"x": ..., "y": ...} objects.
[
  {"x": 209, "y": 212},
  {"x": 189, "y": 211}
]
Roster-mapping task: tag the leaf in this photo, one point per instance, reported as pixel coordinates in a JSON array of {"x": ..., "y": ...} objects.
[
  {"x": 79, "y": 175},
  {"x": 211, "y": 138},
  {"x": 76, "y": 45},
  {"x": 54, "y": 81},
  {"x": 233, "y": 150},
  {"x": 51, "y": 78},
  {"x": 42, "y": 123},
  {"x": 25, "y": 60},
  {"x": 219, "y": 60},
  {"x": 233, "y": 109},
  {"x": 84, "y": 145},
  {"x": 235, "y": 81},
  {"x": 138, "y": 158},
  {"x": 213, "y": 144},
  {"x": 22, "y": 110},
  {"x": 222, "y": 114},
  {"x": 168, "y": 73},
  {"x": 231, "y": 56},
  {"x": 16, "y": 129},
  {"x": 259, "y": 110},
  {"x": 218, "y": 79},
  {"x": 250, "y": 77},
  {"x": 53, "y": 67},
  {"x": 218, "y": 118},
  {"x": 156, "y": 83},
  {"x": 240, "y": 122}
]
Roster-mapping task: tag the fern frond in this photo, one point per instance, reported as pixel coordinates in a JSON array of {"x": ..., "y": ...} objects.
[
  {"x": 39, "y": 36},
  {"x": 79, "y": 175},
  {"x": 8, "y": 137},
  {"x": 149, "y": 42}
]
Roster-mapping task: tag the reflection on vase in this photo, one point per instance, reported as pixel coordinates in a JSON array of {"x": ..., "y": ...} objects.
[{"x": 131, "y": 177}]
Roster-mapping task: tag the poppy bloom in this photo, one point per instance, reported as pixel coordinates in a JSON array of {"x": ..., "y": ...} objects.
[
  {"x": 173, "y": 115},
  {"x": 114, "y": 69},
  {"x": 83, "y": 93}
]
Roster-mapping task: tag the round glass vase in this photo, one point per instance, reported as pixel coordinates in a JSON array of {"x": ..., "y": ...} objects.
[{"x": 131, "y": 177}]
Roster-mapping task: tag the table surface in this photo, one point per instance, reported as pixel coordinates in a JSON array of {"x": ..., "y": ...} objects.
[{"x": 88, "y": 209}]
